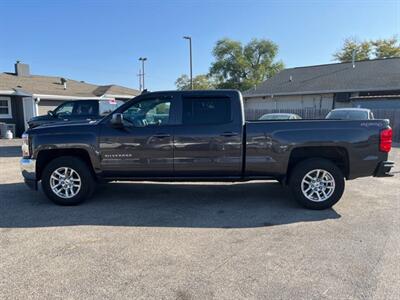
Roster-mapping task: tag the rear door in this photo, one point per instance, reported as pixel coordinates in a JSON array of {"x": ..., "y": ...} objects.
[{"x": 208, "y": 140}]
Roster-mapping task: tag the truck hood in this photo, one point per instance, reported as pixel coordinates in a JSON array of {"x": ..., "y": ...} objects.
[
  {"x": 40, "y": 118},
  {"x": 64, "y": 127}
]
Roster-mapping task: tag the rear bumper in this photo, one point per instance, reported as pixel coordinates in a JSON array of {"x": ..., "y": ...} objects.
[
  {"x": 28, "y": 169},
  {"x": 383, "y": 169}
]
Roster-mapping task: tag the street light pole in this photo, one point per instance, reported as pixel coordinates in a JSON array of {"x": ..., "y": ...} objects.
[
  {"x": 143, "y": 59},
  {"x": 190, "y": 58},
  {"x": 139, "y": 75}
]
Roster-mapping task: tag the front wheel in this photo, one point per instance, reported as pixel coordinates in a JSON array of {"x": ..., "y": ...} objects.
[
  {"x": 67, "y": 180},
  {"x": 317, "y": 183}
]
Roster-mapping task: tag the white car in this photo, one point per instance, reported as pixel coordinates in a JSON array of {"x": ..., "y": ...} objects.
[
  {"x": 280, "y": 116},
  {"x": 350, "y": 114}
]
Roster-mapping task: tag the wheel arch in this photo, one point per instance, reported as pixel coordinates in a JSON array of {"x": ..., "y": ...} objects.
[
  {"x": 45, "y": 156},
  {"x": 336, "y": 154}
]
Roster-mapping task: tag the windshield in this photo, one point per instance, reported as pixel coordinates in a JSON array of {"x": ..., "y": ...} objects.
[
  {"x": 348, "y": 115},
  {"x": 108, "y": 106},
  {"x": 64, "y": 109}
]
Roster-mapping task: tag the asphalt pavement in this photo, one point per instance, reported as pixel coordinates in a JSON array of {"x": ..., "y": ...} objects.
[{"x": 198, "y": 241}]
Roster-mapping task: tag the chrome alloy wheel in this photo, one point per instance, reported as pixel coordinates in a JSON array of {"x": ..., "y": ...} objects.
[
  {"x": 65, "y": 182},
  {"x": 318, "y": 185}
]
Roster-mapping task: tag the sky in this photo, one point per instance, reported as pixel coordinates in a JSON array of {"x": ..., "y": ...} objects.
[{"x": 100, "y": 41}]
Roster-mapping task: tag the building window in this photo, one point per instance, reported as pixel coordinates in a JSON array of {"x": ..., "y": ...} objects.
[{"x": 5, "y": 108}]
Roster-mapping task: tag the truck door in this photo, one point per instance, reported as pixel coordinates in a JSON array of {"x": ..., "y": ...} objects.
[
  {"x": 143, "y": 147},
  {"x": 208, "y": 140}
]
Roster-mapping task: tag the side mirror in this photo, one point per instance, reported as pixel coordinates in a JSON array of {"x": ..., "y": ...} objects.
[
  {"x": 50, "y": 113},
  {"x": 117, "y": 120}
]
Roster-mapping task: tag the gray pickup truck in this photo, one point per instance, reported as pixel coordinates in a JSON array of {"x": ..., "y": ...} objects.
[{"x": 203, "y": 136}]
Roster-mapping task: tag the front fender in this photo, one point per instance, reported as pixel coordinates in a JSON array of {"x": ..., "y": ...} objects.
[{"x": 86, "y": 141}]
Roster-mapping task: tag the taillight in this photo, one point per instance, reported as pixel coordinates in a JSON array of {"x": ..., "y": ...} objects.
[{"x": 385, "y": 142}]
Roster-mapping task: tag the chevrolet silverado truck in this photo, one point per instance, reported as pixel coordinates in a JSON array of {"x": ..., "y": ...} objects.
[{"x": 203, "y": 136}]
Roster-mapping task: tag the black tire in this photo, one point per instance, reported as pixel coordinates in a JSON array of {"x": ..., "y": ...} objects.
[
  {"x": 80, "y": 167},
  {"x": 306, "y": 166}
]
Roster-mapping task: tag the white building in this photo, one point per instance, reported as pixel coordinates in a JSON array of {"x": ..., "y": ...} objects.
[
  {"x": 23, "y": 95},
  {"x": 370, "y": 84}
]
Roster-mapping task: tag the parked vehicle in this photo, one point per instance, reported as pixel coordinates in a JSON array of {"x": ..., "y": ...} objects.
[
  {"x": 202, "y": 135},
  {"x": 280, "y": 116},
  {"x": 350, "y": 114},
  {"x": 79, "y": 110}
]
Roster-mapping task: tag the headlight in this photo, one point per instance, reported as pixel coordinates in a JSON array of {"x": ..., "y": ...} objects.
[{"x": 25, "y": 145}]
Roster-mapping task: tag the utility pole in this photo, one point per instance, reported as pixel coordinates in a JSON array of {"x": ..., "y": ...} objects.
[
  {"x": 143, "y": 59},
  {"x": 190, "y": 60},
  {"x": 139, "y": 75}
]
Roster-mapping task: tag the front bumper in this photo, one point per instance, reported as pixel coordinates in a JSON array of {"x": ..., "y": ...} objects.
[
  {"x": 28, "y": 169},
  {"x": 383, "y": 169}
]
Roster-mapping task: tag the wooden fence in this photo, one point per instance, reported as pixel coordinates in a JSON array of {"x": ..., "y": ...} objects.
[{"x": 309, "y": 113}]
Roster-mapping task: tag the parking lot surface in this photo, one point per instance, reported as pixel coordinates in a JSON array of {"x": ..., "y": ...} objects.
[{"x": 198, "y": 241}]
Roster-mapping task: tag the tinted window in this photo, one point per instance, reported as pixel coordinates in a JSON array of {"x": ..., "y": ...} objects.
[
  {"x": 148, "y": 112},
  {"x": 108, "y": 106},
  {"x": 86, "y": 108},
  {"x": 206, "y": 110}
]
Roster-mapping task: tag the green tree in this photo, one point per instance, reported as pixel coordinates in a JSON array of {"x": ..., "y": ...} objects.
[
  {"x": 200, "y": 82},
  {"x": 385, "y": 48},
  {"x": 345, "y": 54},
  {"x": 381, "y": 48},
  {"x": 242, "y": 67}
]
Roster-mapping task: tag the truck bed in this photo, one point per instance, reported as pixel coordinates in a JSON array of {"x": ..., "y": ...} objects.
[{"x": 270, "y": 145}]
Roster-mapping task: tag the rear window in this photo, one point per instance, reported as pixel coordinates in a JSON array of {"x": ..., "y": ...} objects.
[
  {"x": 85, "y": 108},
  {"x": 215, "y": 110},
  {"x": 108, "y": 106}
]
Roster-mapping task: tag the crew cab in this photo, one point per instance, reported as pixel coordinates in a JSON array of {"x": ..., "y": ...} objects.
[
  {"x": 203, "y": 136},
  {"x": 77, "y": 111}
]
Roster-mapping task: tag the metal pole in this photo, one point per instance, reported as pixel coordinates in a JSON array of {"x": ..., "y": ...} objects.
[
  {"x": 140, "y": 80},
  {"x": 143, "y": 59},
  {"x": 143, "y": 73},
  {"x": 191, "y": 66},
  {"x": 190, "y": 60}
]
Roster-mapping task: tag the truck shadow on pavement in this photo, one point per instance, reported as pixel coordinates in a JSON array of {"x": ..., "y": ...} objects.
[{"x": 240, "y": 205}]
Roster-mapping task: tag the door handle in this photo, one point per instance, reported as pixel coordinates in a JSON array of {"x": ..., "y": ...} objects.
[
  {"x": 229, "y": 134},
  {"x": 161, "y": 135}
]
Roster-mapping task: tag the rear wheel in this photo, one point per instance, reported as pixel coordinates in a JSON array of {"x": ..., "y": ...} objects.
[
  {"x": 67, "y": 180},
  {"x": 317, "y": 183}
]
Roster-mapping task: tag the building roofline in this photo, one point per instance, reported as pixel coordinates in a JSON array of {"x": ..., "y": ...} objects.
[
  {"x": 341, "y": 63},
  {"x": 59, "y": 97},
  {"x": 119, "y": 96},
  {"x": 7, "y": 92},
  {"x": 316, "y": 92}
]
